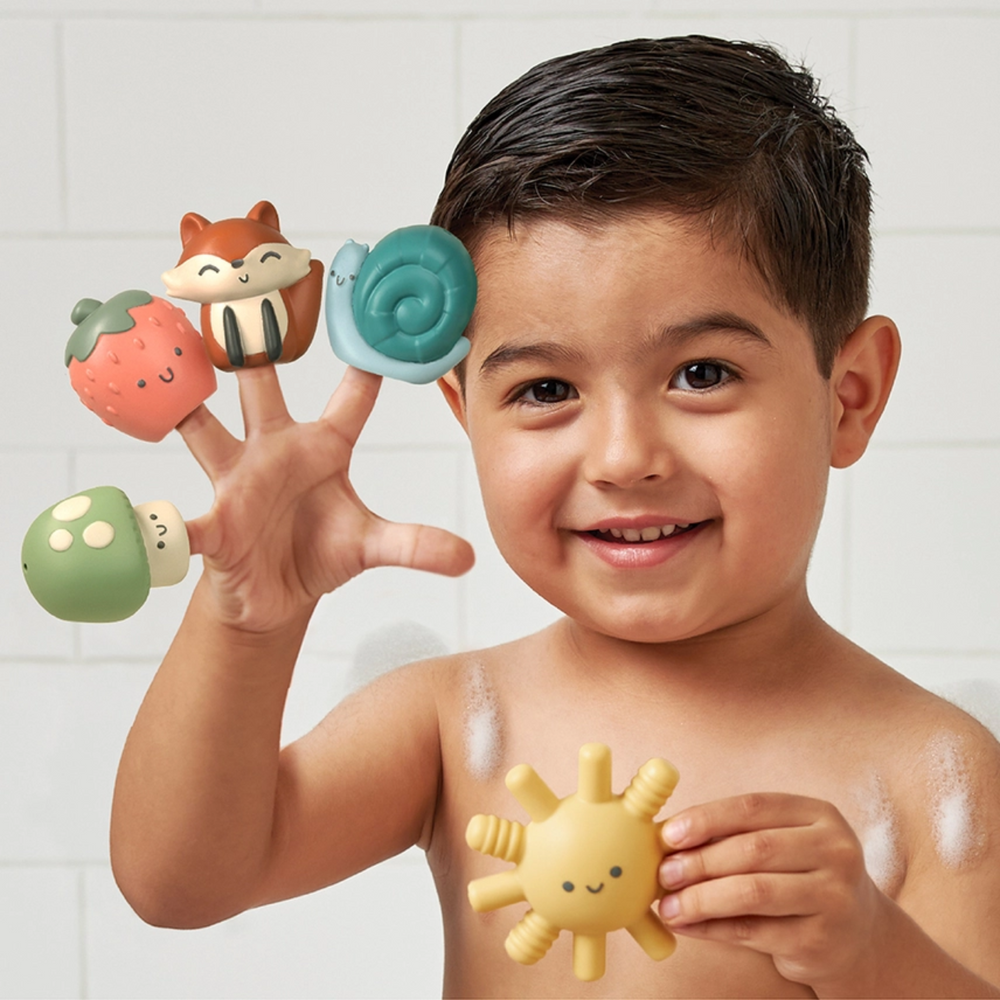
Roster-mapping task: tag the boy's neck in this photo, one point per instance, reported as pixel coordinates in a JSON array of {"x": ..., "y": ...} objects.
[{"x": 780, "y": 649}]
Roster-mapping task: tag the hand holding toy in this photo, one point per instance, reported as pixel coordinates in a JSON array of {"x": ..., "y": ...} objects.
[
  {"x": 587, "y": 863},
  {"x": 401, "y": 310},
  {"x": 93, "y": 557},
  {"x": 138, "y": 363},
  {"x": 260, "y": 295}
]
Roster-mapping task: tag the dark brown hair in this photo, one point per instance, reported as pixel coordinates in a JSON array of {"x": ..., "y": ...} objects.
[{"x": 725, "y": 131}]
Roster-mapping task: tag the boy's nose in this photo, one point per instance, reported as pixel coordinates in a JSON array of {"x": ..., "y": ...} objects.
[{"x": 626, "y": 445}]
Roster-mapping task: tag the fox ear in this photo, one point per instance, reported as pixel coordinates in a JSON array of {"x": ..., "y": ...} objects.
[
  {"x": 191, "y": 225},
  {"x": 265, "y": 212}
]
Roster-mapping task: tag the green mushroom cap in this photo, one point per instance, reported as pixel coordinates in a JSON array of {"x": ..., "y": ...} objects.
[{"x": 84, "y": 558}]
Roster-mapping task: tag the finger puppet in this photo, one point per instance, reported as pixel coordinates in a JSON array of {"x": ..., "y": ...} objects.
[
  {"x": 138, "y": 363},
  {"x": 259, "y": 295},
  {"x": 93, "y": 556},
  {"x": 587, "y": 863},
  {"x": 401, "y": 310}
]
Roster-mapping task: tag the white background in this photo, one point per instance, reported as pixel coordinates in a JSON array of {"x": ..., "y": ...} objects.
[{"x": 117, "y": 118}]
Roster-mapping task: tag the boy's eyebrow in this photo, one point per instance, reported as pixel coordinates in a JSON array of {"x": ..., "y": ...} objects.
[
  {"x": 546, "y": 351},
  {"x": 676, "y": 334},
  {"x": 724, "y": 322}
]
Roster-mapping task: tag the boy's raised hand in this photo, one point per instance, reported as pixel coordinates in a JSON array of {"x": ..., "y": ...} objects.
[
  {"x": 780, "y": 874},
  {"x": 286, "y": 526}
]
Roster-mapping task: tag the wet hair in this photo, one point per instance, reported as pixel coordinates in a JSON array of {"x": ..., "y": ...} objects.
[{"x": 727, "y": 133}]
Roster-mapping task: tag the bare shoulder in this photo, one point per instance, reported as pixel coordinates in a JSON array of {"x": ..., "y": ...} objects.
[{"x": 946, "y": 778}]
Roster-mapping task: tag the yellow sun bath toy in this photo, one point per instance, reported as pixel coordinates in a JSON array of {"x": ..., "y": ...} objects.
[{"x": 587, "y": 863}]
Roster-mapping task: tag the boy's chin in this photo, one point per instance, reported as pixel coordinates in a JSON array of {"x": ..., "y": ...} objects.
[{"x": 639, "y": 627}]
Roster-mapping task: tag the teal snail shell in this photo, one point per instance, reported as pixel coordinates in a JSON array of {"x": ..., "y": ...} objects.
[{"x": 401, "y": 310}]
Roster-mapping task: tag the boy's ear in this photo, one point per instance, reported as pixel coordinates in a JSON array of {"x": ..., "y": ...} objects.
[
  {"x": 862, "y": 378},
  {"x": 452, "y": 392}
]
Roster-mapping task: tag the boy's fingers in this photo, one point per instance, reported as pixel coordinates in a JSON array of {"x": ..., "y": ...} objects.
[
  {"x": 200, "y": 535},
  {"x": 351, "y": 404},
  {"x": 207, "y": 439},
  {"x": 773, "y": 850},
  {"x": 739, "y": 814},
  {"x": 417, "y": 546},
  {"x": 774, "y": 894},
  {"x": 261, "y": 399}
]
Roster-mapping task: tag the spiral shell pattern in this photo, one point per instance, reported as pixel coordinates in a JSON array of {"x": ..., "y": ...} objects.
[{"x": 415, "y": 293}]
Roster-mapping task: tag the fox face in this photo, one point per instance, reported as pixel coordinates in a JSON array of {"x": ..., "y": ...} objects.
[
  {"x": 209, "y": 277},
  {"x": 259, "y": 295}
]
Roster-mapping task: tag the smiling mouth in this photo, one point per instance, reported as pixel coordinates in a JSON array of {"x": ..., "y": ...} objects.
[
  {"x": 631, "y": 536},
  {"x": 590, "y": 888},
  {"x": 244, "y": 278},
  {"x": 163, "y": 378}
]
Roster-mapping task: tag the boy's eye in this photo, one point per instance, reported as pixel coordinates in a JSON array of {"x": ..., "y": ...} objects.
[
  {"x": 701, "y": 375},
  {"x": 550, "y": 390}
]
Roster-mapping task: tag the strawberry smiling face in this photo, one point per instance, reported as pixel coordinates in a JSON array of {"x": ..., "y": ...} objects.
[{"x": 138, "y": 363}]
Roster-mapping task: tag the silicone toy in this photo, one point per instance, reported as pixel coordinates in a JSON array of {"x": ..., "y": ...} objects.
[
  {"x": 260, "y": 295},
  {"x": 586, "y": 863},
  {"x": 93, "y": 556},
  {"x": 138, "y": 363},
  {"x": 401, "y": 310}
]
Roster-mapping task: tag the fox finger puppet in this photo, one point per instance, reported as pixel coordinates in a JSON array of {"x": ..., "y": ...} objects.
[{"x": 259, "y": 295}]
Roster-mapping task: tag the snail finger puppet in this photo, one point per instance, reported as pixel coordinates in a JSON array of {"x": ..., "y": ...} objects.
[
  {"x": 401, "y": 310},
  {"x": 138, "y": 363},
  {"x": 586, "y": 863},
  {"x": 259, "y": 295},
  {"x": 93, "y": 556}
]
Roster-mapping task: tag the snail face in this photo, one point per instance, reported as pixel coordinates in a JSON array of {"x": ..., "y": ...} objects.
[{"x": 643, "y": 417}]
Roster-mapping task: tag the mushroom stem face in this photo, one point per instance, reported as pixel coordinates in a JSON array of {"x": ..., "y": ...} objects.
[{"x": 166, "y": 539}]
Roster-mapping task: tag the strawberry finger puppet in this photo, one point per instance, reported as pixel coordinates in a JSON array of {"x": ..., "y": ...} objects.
[
  {"x": 259, "y": 295},
  {"x": 138, "y": 363}
]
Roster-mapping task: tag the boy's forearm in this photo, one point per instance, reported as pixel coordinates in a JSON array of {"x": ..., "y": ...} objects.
[
  {"x": 905, "y": 962},
  {"x": 195, "y": 795}
]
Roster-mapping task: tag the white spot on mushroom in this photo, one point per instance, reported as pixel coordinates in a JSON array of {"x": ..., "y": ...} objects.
[
  {"x": 71, "y": 509},
  {"x": 99, "y": 535},
  {"x": 60, "y": 540}
]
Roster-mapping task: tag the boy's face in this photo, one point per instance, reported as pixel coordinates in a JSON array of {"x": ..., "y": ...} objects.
[{"x": 625, "y": 383}]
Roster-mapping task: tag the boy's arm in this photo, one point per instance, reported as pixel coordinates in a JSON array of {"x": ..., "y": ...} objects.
[
  {"x": 784, "y": 875},
  {"x": 208, "y": 817}
]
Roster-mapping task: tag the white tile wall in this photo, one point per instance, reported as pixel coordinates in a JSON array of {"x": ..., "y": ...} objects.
[{"x": 121, "y": 115}]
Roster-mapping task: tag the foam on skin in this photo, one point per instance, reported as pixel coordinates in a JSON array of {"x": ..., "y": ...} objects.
[
  {"x": 953, "y": 812},
  {"x": 880, "y": 837},
  {"x": 483, "y": 730}
]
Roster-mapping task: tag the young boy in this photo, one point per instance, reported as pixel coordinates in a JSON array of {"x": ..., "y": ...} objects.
[{"x": 669, "y": 352}]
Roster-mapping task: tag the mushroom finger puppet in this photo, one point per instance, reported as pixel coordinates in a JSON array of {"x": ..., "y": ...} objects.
[
  {"x": 93, "y": 556},
  {"x": 138, "y": 363},
  {"x": 402, "y": 309},
  {"x": 587, "y": 863}
]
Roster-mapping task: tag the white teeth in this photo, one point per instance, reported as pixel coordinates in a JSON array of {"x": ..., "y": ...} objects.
[{"x": 650, "y": 534}]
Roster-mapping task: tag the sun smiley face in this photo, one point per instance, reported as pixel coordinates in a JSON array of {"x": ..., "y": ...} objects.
[{"x": 586, "y": 863}]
